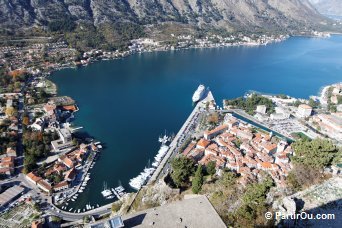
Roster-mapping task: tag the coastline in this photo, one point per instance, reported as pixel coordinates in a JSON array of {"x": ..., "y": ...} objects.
[
  {"x": 322, "y": 92},
  {"x": 130, "y": 53},
  {"x": 125, "y": 54},
  {"x": 165, "y": 51}
]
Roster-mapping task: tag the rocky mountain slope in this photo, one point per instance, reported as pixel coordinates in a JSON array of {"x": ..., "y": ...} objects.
[
  {"x": 242, "y": 15},
  {"x": 328, "y": 7}
]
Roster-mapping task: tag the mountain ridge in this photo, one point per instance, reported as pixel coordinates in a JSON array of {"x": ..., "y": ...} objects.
[
  {"x": 273, "y": 15},
  {"x": 328, "y": 7}
]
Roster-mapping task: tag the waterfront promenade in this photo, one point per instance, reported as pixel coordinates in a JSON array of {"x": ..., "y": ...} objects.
[{"x": 163, "y": 168}]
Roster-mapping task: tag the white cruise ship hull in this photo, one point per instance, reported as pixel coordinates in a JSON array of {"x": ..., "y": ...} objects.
[{"x": 198, "y": 94}]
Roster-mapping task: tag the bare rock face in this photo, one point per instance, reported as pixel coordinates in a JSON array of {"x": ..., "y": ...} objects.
[
  {"x": 329, "y": 7},
  {"x": 241, "y": 15}
]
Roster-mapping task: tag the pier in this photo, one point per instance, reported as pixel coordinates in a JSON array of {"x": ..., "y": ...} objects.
[{"x": 163, "y": 167}]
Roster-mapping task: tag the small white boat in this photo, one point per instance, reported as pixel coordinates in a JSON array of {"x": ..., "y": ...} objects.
[
  {"x": 106, "y": 192},
  {"x": 120, "y": 189}
]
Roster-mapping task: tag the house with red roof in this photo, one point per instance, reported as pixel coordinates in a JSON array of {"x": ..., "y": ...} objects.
[
  {"x": 212, "y": 133},
  {"x": 202, "y": 144},
  {"x": 61, "y": 186},
  {"x": 33, "y": 178},
  {"x": 45, "y": 186},
  {"x": 189, "y": 148}
]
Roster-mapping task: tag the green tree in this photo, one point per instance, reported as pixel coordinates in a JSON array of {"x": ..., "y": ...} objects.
[
  {"x": 182, "y": 169},
  {"x": 249, "y": 104},
  {"x": 251, "y": 212},
  {"x": 313, "y": 103},
  {"x": 197, "y": 181},
  {"x": 211, "y": 167},
  {"x": 297, "y": 103},
  {"x": 339, "y": 99},
  {"x": 56, "y": 219},
  {"x": 317, "y": 153},
  {"x": 228, "y": 179},
  {"x": 29, "y": 163}
]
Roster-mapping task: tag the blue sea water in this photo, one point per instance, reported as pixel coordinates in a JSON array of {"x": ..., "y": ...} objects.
[{"x": 127, "y": 103}]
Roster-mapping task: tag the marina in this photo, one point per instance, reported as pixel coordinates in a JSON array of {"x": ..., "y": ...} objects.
[{"x": 137, "y": 182}]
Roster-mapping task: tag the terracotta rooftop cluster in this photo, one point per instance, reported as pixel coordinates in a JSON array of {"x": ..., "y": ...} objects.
[{"x": 233, "y": 145}]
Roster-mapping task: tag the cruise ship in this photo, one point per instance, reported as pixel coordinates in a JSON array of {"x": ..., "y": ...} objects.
[{"x": 198, "y": 93}]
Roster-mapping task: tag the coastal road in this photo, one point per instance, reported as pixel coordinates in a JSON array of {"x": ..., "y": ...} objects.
[
  {"x": 68, "y": 216},
  {"x": 185, "y": 131},
  {"x": 47, "y": 206}
]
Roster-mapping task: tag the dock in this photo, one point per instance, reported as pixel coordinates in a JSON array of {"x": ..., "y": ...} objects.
[{"x": 174, "y": 145}]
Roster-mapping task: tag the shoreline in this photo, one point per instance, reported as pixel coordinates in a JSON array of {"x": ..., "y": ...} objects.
[
  {"x": 130, "y": 53},
  {"x": 217, "y": 46},
  {"x": 323, "y": 92},
  {"x": 179, "y": 49}
]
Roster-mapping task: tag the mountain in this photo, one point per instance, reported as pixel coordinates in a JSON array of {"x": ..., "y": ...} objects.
[
  {"x": 328, "y": 7},
  {"x": 231, "y": 15}
]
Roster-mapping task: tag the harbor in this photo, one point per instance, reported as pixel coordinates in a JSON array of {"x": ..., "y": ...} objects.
[
  {"x": 128, "y": 114},
  {"x": 62, "y": 199}
]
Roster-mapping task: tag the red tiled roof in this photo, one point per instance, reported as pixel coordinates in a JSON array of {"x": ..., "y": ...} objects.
[
  {"x": 61, "y": 185},
  {"x": 189, "y": 148},
  {"x": 45, "y": 184},
  {"x": 69, "y": 108},
  {"x": 266, "y": 165},
  {"x": 33, "y": 177},
  {"x": 203, "y": 143}
]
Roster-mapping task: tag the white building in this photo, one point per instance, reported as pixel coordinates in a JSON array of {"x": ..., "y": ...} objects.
[
  {"x": 304, "y": 110},
  {"x": 64, "y": 141},
  {"x": 261, "y": 109},
  {"x": 9, "y": 103},
  {"x": 65, "y": 135}
]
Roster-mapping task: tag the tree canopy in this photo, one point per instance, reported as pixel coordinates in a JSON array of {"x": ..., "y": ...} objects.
[
  {"x": 317, "y": 153},
  {"x": 182, "y": 169},
  {"x": 228, "y": 179},
  {"x": 254, "y": 204},
  {"x": 250, "y": 103},
  {"x": 211, "y": 167},
  {"x": 197, "y": 181}
]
